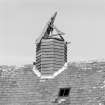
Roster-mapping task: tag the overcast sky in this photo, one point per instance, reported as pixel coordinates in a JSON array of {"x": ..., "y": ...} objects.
[{"x": 22, "y": 21}]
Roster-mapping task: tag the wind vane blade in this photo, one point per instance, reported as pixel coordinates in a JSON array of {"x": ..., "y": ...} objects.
[{"x": 48, "y": 28}]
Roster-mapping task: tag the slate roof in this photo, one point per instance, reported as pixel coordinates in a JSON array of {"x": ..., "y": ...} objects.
[{"x": 23, "y": 87}]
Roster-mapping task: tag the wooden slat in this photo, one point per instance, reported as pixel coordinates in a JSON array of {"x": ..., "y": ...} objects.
[
  {"x": 47, "y": 60},
  {"x": 52, "y": 45},
  {"x": 53, "y": 54},
  {"x": 54, "y": 63},
  {"x": 51, "y": 59},
  {"x": 52, "y": 51},
  {"x": 56, "y": 47}
]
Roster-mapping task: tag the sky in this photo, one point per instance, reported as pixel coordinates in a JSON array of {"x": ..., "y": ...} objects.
[{"x": 22, "y": 21}]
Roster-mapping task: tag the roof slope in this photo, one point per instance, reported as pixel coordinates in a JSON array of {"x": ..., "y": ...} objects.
[{"x": 23, "y": 87}]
